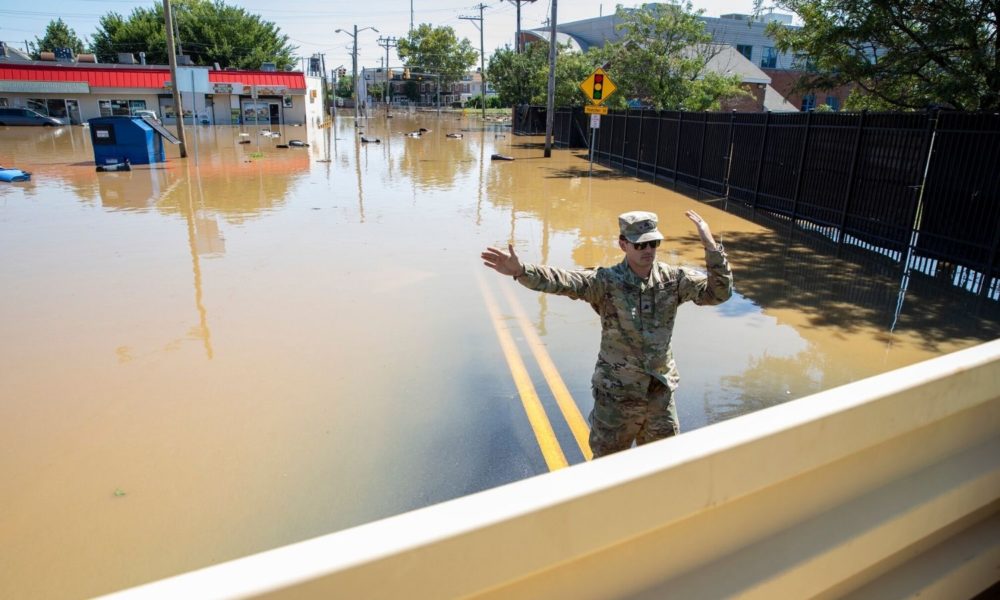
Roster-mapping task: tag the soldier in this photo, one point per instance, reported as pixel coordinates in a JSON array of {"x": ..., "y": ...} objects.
[{"x": 637, "y": 299}]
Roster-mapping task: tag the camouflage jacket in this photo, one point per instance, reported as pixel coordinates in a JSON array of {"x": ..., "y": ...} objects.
[{"x": 637, "y": 317}]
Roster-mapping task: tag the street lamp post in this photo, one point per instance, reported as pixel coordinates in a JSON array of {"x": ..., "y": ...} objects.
[{"x": 354, "y": 61}]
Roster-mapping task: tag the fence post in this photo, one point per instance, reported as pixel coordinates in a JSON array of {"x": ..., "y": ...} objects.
[
  {"x": 656, "y": 155},
  {"x": 729, "y": 153},
  {"x": 802, "y": 166},
  {"x": 984, "y": 288},
  {"x": 850, "y": 177},
  {"x": 760, "y": 159},
  {"x": 611, "y": 135},
  {"x": 624, "y": 138},
  {"x": 677, "y": 144},
  {"x": 918, "y": 187},
  {"x": 701, "y": 149},
  {"x": 638, "y": 147}
]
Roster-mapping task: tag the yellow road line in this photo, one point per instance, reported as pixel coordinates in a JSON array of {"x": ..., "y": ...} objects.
[
  {"x": 547, "y": 442},
  {"x": 570, "y": 411}
]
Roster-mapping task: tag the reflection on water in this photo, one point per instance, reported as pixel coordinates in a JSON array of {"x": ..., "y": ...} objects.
[{"x": 257, "y": 345}]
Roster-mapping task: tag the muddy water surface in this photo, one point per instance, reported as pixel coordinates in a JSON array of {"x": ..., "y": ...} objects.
[{"x": 218, "y": 355}]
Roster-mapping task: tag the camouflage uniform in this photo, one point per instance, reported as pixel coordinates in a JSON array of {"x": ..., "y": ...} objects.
[{"x": 635, "y": 377}]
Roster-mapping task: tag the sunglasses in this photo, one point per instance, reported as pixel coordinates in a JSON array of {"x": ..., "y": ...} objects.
[{"x": 642, "y": 245}]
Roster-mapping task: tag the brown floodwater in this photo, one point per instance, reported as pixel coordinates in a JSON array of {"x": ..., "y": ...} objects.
[{"x": 253, "y": 346}]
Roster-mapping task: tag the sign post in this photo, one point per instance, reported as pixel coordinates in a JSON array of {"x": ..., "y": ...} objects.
[{"x": 597, "y": 87}]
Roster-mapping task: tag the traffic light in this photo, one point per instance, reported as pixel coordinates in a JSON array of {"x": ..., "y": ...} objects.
[
  {"x": 406, "y": 73},
  {"x": 598, "y": 86}
]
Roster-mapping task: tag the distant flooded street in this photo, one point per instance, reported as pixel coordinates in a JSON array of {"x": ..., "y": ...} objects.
[{"x": 254, "y": 346}]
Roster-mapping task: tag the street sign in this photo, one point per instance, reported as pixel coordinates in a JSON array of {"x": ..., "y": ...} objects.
[
  {"x": 595, "y": 121},
  {"x": 595, "y": 110},
  {"x": 598, "y": 86}
]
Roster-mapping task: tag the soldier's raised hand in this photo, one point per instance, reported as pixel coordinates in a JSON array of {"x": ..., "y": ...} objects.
[
  {"x": 703, "y": 230},
  {"x": 505, "y": 263}
]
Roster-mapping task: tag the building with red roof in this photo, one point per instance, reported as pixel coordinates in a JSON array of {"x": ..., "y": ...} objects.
[{"x": 75, "y": 91}]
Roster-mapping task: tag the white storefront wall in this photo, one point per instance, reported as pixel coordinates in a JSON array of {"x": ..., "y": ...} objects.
[{"x": 213, "y": 103}]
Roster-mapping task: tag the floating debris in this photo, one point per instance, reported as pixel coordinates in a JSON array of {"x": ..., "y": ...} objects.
[
  {"x": 122, "y": 166},
  {"x": 501, "y": 157},
  {"x": 368, "y": 140},
  {"x": 456, "y": 136},
  {"x": 13, "y": 175}
]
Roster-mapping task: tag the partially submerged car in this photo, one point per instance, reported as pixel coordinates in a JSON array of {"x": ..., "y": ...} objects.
[{"x": 26, "y": 116}]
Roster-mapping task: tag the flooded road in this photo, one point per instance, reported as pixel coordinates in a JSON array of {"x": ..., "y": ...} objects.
[{"x": 219, "y": 355}]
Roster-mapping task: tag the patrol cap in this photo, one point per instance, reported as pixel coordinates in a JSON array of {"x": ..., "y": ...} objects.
[{"x": 639, "y": 226}]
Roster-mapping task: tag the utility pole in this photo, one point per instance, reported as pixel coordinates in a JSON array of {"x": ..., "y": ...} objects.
[
  {"x": 389, "y": 42},
  {"x": 354, "y": 74},
  {"x": 322, "y": 66},
  {"x": 550, "y": 106},
  {"x": 354, "y": 64},
  {"x": 517, "y": 41},
  {"x": 172, "y": 57},
  {"x": 482, "y": 64},
  {"x": 411, "y": 16}
]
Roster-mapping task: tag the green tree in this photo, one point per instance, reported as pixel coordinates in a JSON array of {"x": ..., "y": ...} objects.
[
  {"x": 661, "y": 58},
  {"x": 345, "y": 86},
  {"x": 903, "y": 54},
  {"x": 436, "y": 50},
  {"x": 517, "y": 78},
  {"x": 209, "y": 31},
  {"x": 57, "y": 35},
  {"x": 523, "y": 78}
]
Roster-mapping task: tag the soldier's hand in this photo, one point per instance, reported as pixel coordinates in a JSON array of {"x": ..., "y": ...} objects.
[
  {"x": 505, "y": 263},
  {"x": 703, "y": 230}
]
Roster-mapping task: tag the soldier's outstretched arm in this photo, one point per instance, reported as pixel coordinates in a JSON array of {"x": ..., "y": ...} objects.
[
  {"x": 717, "y": 286},
  {"x": 580, "y": 284},
  {"x": 505, "y": 263}
]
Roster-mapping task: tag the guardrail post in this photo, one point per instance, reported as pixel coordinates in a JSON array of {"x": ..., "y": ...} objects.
[
  {"x": 850, "y": 177},
  {"x": 802, "y": 165},
  {"x": 760, "y": 159}
]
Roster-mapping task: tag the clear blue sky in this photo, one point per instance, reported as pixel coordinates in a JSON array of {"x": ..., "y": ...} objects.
[{"x": 311, "y": 24}]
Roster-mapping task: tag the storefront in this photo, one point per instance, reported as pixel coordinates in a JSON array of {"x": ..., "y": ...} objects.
[{"x": 74, "y": 93}]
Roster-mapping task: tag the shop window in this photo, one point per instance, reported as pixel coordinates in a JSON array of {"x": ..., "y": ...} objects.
[
  {"x": 120, "y": 108},
  {"x": 746, "y": 50},
  {"x": 769, "y": 59},
  {"x": 3, "y": 102},
  {"x": 808, "y": 102}
]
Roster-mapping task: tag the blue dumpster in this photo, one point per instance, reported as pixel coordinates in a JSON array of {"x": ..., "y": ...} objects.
[{"x": 135, "y": 139}]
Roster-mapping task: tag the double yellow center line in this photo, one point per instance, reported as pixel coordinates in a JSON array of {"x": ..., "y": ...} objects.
[{"x": 541, "y": 426}]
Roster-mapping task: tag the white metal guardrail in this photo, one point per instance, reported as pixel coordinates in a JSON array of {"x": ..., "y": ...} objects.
[{"x": 884, "y": 488}]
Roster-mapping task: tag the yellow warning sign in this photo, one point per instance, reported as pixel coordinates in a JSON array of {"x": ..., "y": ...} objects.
[
  {"x": 595, "y": 110},
  {"x": 598, "y": 86}
]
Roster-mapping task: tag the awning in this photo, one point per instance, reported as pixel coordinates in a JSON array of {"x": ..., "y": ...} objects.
[{"x": 44, "y": 87}]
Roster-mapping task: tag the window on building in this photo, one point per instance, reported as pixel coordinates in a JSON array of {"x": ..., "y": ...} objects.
[
  {"x": 120, "y": 108},
  {"x": 833, "y": 102},
  {"x": 769, "y": 59},
  {"x": 808, "y": 102},
  {"x": 746, "y": 50},
  {"x": 53, "y": 107},
  {"x": 4, "y": 102}
]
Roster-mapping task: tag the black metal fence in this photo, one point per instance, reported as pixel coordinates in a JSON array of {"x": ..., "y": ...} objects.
[{"x": 921, "y": 188}]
